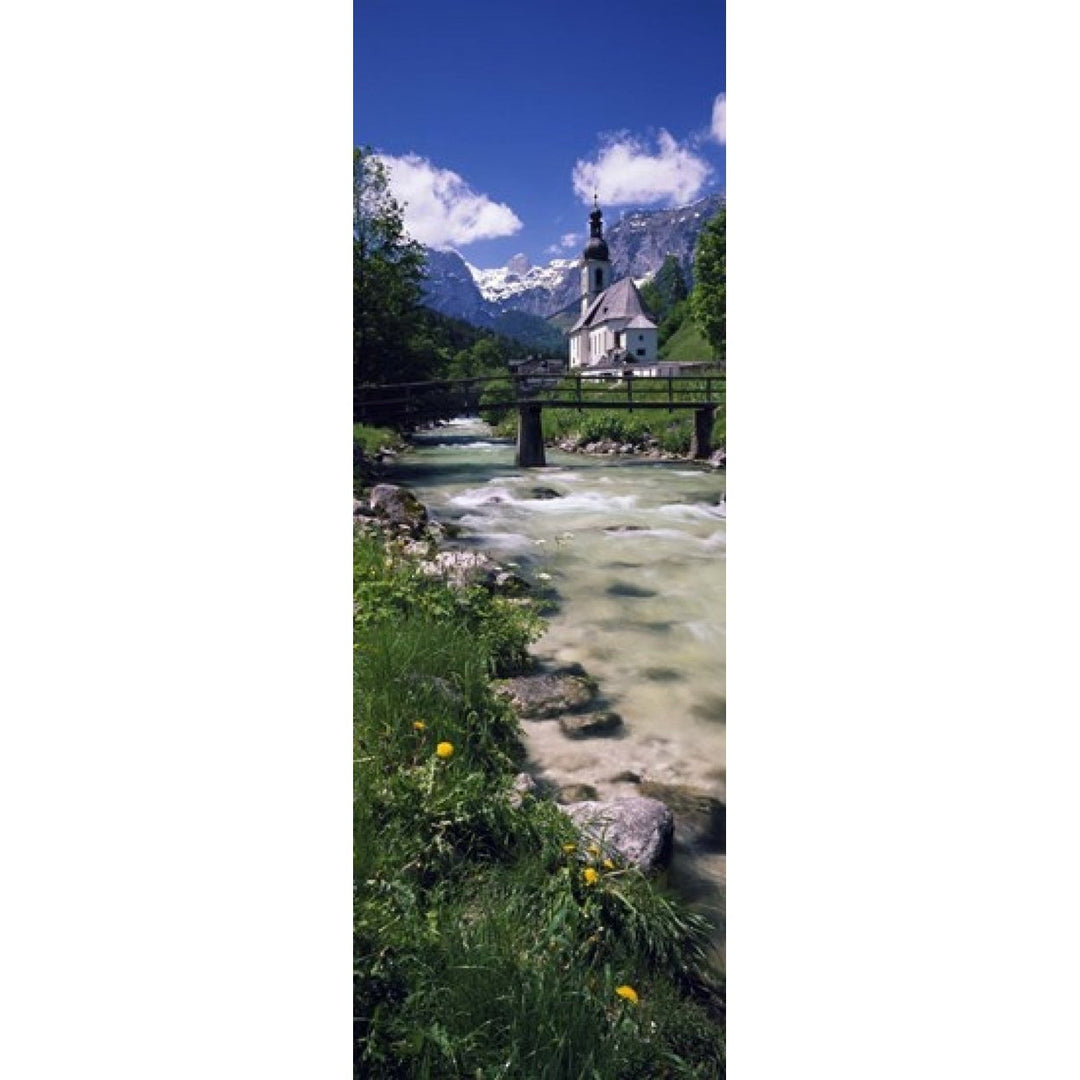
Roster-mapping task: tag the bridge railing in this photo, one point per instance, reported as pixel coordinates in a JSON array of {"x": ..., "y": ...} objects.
[{"x": 435, "y": 399}]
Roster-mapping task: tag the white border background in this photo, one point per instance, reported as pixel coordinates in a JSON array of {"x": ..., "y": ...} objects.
[
  {"x": 903, "y": 582},
  {"x": 174, "y": 415}
]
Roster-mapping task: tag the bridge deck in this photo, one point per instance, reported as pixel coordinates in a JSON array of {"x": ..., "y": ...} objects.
[{"x": 557, "y": 391}]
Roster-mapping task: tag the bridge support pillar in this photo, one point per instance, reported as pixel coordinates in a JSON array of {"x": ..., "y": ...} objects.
[
  {"x": 530, "y": 437},
  {"x": 701, "y": 439}
]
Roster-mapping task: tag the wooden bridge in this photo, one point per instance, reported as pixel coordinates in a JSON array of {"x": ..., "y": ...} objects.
[{"x": 529, "y": 387}]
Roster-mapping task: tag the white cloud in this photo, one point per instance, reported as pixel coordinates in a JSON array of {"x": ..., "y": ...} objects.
[
  {"x": 441, "y": 210},
  {"x": 719, "y": 119},
  {"x": 626, "y": 171},
  {"x": 566, "y": 242}
]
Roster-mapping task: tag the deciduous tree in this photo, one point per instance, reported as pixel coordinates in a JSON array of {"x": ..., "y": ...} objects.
[
  {"x": 387, "y": 270},
  {"x": 708, "y": 301}
]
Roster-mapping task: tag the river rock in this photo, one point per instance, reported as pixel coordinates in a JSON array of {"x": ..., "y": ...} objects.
[
  {"x": 702, "y": 817},
  {"x": 461, "y": 568},
  {"x": 570, "y": 794},
  {"x": 638, "y": 830},
  {"x": 547, "y": 694},
  {"x": 587, "y": 725},
  {"x": 523, "y": 785},
  {"x": 545, "y": 493},
  {"x": 507, "y": 583},
  {"x": 398, "y": 506},
  {"x": 628, "y": 589},
  {"x": 464, "y": 568}
]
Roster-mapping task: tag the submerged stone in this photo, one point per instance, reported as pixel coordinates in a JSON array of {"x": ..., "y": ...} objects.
[
  {"x": 587, "y": 725},
  {"x": 711, "y": 707},
  {"x": 622, "y": 588},
  {"x": 570, "y": 794},
  {"x": 662, "y": 674},
  {"x": 701, "y": 816}
]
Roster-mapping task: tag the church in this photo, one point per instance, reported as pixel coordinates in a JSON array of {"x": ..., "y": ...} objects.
[{"x": 614, "y": 329}]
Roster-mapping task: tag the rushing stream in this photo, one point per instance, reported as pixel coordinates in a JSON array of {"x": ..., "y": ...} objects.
[{"x": 635, "y": 553}]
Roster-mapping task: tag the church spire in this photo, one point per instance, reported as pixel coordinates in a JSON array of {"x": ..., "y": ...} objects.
[
  {"x": 596, "y": 219},
  {"x": 597, "y": 247},
  {"x": 595, "y": 259}
]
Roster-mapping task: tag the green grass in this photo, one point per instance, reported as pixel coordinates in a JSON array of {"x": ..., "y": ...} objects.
[
  {"x": 480, "y": 947},
  {"x": 374, "y": 439},
  {"x": 687, "y": 344}
]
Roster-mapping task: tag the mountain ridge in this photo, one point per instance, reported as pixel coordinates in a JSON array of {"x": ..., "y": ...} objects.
[{"x": 639, "y": 242}]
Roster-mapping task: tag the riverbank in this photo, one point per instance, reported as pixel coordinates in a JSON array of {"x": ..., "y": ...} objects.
[{"x": 489, "y": 933}]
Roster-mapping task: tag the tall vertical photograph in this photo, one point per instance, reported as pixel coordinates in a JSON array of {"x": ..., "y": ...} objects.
[{"x": 539, "y": 553}]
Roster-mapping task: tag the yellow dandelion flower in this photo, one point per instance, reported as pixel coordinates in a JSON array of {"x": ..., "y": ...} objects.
[
  {"x": 590, "y": 875},
  {"x": 569, "y": 848},
  {"x": 444, "y": 749},
  {"x": 608, "y": 864},
  {"x": 593, "y": 849},
  {"x": 419, "y": 725},
  {"x": 627, "y": 992}
]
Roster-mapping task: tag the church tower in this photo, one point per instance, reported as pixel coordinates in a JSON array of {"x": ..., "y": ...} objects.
[{"x": 595, "y": 264}]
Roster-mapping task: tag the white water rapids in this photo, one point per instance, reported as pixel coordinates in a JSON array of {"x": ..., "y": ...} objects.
[{"x": 635, "y": 551}]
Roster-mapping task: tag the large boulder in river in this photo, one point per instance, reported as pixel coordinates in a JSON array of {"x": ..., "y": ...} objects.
[
  {"x": 544, "y": 695},
  {"x": 637, "y": 830},
  {"x": 398, "y": 506}
]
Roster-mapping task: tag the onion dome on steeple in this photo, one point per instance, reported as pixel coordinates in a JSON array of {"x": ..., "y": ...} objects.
[{"x": 596, "y": 248}]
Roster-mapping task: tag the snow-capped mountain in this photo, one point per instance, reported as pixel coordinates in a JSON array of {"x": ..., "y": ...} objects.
[
  {"x": 639, "y": 242},
  {"x": 517, "y": 277}
]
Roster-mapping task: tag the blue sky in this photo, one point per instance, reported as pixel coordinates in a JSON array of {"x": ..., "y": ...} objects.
[{"x": 498, "y": 120}]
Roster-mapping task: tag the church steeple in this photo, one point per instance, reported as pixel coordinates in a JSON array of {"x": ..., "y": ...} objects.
[
  {"x": 595, "y": 259},
  {"x": 597, "y": 247}
]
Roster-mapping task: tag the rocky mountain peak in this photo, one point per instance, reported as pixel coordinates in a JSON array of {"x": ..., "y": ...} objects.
[
  {"x": 639, "y": 243},
  {"x": 519, "y": 265}
]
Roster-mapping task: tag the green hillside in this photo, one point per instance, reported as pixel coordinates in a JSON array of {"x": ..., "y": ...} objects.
[
  {"x": 536, "y": 334},
  {"x": 686, "y": 344}
]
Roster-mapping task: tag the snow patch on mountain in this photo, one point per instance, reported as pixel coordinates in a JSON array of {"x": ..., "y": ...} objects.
[{"x": 505, "y": 282}]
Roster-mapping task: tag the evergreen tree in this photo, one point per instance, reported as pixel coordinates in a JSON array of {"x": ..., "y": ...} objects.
[
  {"x": 708, "y": 302},
  {"x": 666, "y": 288}
]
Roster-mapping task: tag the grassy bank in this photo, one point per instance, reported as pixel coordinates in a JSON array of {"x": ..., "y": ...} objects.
[
  {"x": 488, "y": 942},
  {"x": 372, "y": 439},
  {"x": 368, "y": 444}
]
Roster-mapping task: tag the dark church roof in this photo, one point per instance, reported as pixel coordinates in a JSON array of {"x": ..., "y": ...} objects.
[
  {"x": 596, "y": 248},
  {"x": 621, "y": 301}
]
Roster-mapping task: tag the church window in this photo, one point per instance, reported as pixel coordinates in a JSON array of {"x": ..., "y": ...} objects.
[
  {"x": 599, "y": 277},
  {"x": 641, "y": 352}
]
